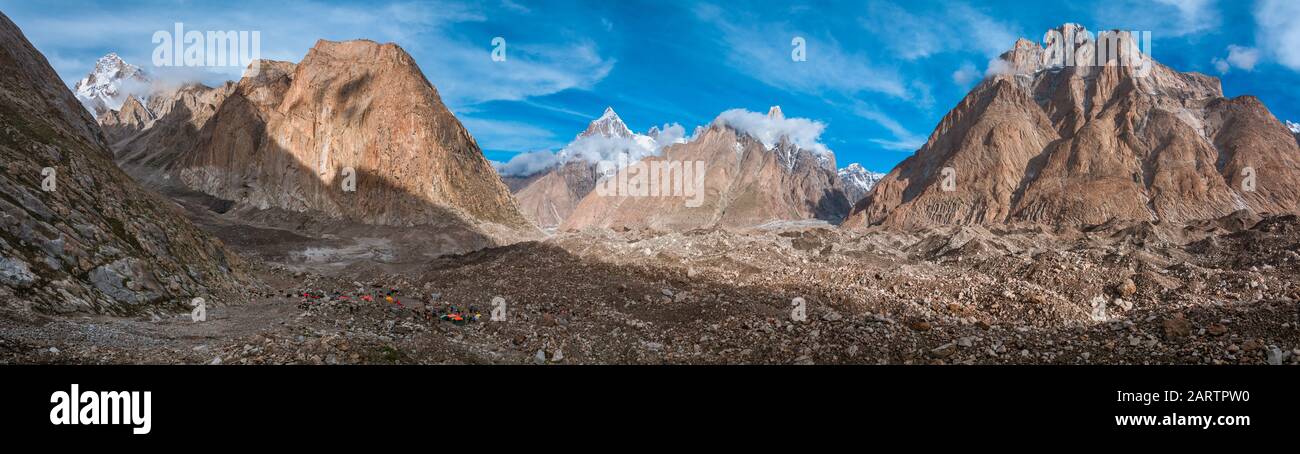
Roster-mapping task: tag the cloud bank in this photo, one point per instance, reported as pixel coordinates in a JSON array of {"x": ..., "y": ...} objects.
[
  {"x": 769, "y": 130},
  {"x": 594, "y": 149}
]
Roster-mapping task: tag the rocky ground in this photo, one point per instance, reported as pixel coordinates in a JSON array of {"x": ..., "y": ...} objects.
[{"x": 1218, "y": 292}]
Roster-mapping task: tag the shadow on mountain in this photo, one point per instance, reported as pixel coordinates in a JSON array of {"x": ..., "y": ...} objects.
[
  {"x": 832, "y": 207},
  {"x": 235, "y": 207}
]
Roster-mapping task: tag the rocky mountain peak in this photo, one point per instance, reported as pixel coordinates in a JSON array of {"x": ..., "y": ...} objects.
[
  {"x": 106, "y": 86},
  {"x": 775, "y": 113},
  {"x": 1077, "y": 143},
  {"x": 857, "y": 181},
  {"x": 290, "y": 135},
  {"x": 608, "y": 125}
]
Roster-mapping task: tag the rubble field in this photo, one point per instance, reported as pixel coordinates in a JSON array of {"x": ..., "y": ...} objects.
[{"x": 1224, "y": 291}]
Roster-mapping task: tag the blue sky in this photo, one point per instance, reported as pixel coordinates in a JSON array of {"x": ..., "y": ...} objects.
[{"x": 878, "y": 74}]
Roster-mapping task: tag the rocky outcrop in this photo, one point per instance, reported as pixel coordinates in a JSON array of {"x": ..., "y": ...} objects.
[
  {"x": 294, "y": 137},
  {"x": 1084, "y": 145},
  {"x": 745, "y": 183},
  {"x": 76, "y": 234}
]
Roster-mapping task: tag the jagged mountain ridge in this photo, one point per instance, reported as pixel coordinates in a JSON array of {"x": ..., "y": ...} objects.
[
  {"x": 857, "y": 181},
  {"x": 746, "y": 183}
]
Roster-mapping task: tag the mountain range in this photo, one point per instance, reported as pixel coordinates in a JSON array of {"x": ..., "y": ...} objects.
[
  {"x": 356, "y": 133},
  {"x": 744, "y": 182}
]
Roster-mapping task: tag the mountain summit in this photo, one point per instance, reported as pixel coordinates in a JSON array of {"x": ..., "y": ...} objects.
[
  {"x": 608, "y": 125},
  {"x": 1080, "y": 145},
  {"x": 858, "y": 181},
  {"x": 109, "y": 83}
]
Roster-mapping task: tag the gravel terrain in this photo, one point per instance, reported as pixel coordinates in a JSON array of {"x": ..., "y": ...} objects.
[{"x": 1217, "y": 292}]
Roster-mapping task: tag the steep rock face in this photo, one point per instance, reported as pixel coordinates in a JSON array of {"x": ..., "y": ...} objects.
[
  {"x": 1082, "y": 145},
  {"x": 148, "y": 151},
  {"x": 285, "y": 135},
  {"x": 745, "y": 184},
  {"x": 132, "y": 118},
  {"x": 94, "y": 241}
]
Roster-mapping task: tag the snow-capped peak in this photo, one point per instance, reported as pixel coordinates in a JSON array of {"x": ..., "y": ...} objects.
[
  {"x": 858, "y": 181},
  {"x": 107, "y": 86},
  {"x": 608, "y": 125},
  {"x": 607, "y": 139},
  {"x": 775, "y": 113},
  {"x": 1294, "y": 127}
]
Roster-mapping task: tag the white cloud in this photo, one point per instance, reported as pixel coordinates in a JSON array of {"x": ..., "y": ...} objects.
[
  {"x": 965, "y": 74},
  {"x": 913, "y": 36},
  {"x": 801, "y": 132},
  {"x": 1164, "y": 18},
  {"x": 1279, "y": 31},
  {"x": 524, "y": 164},
  {"x": 1243, "y": 57},
  {"x": 1221, "y": 65},
  {"x": 1238, "y": 57},
  {"x": 998, "y": 66},
  {"x": 530, "y": 70},
  {"x": 516, "y": 7},
  {"x": 594, "y": 149},
  {"x": 763, "y": 50}
]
